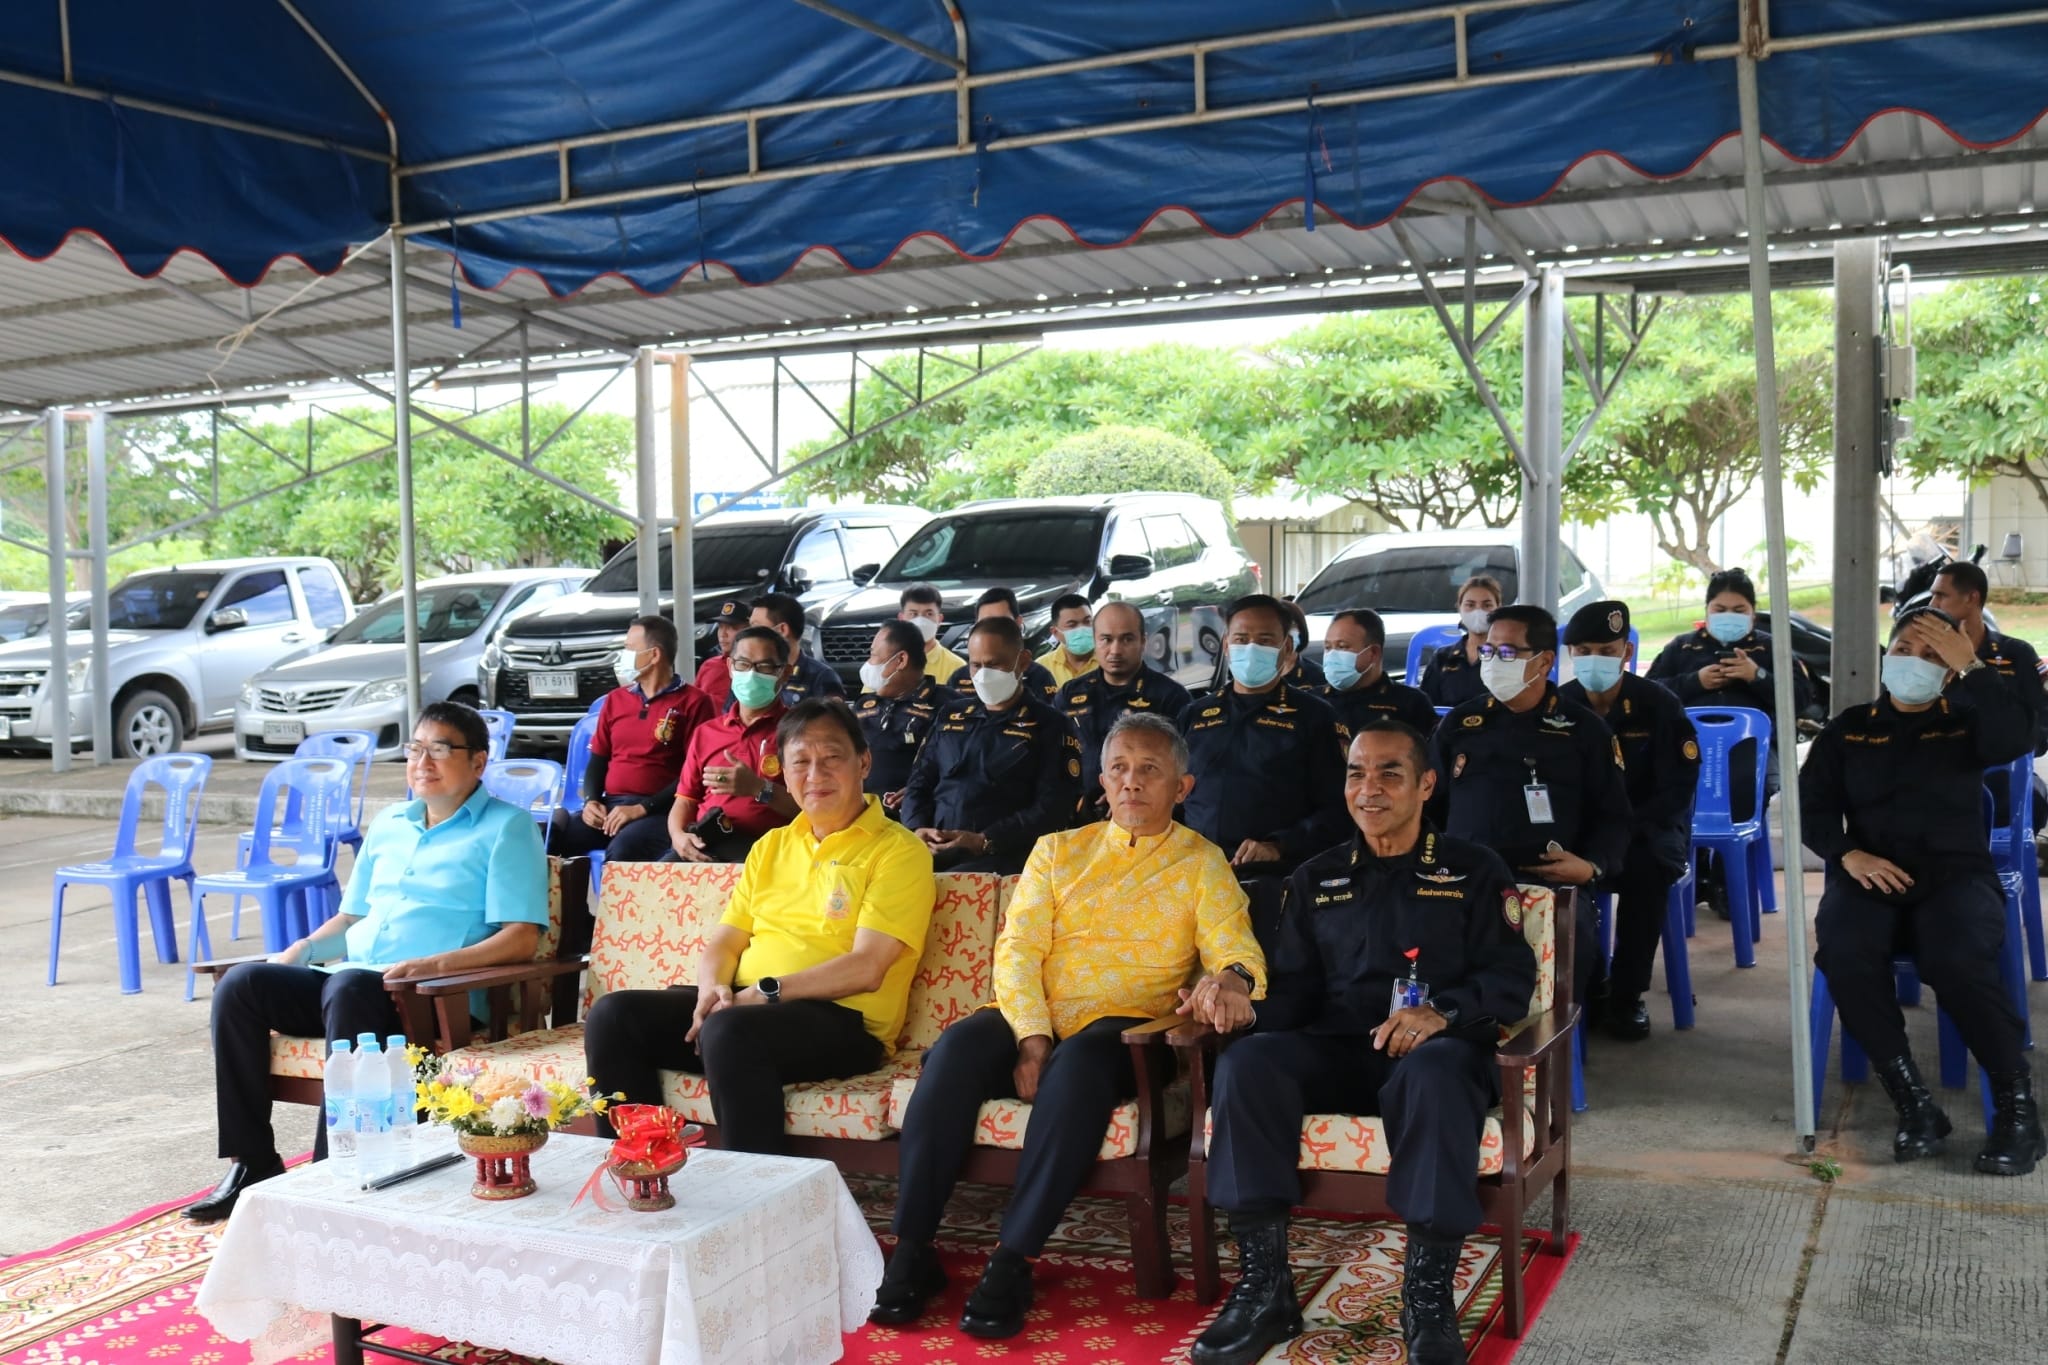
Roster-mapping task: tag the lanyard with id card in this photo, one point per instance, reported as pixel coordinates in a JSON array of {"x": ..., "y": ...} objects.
[
  {"x": 1536, "y": 796},
  {"x": 1409, "y": 993}
]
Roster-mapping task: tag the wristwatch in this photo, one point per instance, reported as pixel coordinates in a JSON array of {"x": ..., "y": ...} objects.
[
  {"x": 770, "y": 988},
  {"x": 1238, "y": 969},
  {"x": 1449, "y": 1013},
  {"x": 766, "y": 794}
]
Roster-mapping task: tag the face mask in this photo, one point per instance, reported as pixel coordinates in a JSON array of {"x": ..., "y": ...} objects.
[
  {"x": 626, "y": 667},
  {"x": 873, "y": 676},
  {"x": 995, "y": 686},
  {"x": 1255, "y": 665},
  {"x": 1340, "y": 666},
  {"x": 755, "y": 691},
  {"x": 1080, "y": 641},
  {"x": 1474, "y": 621},
  {"x": 1911, "y": 680},
  {"x": 1729, "y": 626},
  {"x": 1504, "y": 678},
  {"x": 1596, "y": 672},
  {"x": 926, "y": 627}
]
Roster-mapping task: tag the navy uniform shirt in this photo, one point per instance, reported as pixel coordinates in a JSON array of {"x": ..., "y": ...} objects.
[
  {"x": 1009, "y": 776},
  {"x": 1381, "y": 699},
  {"x": 2016, "y": 662},
  {"x": 1909, "y": 786},
  {"x": 1094, "y": 704},
  {"x": 1449, "y": 678},
  {"x": 1268, "y": 766},
  {"x": 1678, "y": 668},
  {"x": 1486, "y": 754},
  {"x": 896, "y": 728},
  {"x": 1349, "y": 917},
  {"x": 1038, "y": 680},
  {"x": 1307, "y": 676},
  {"x": 1660, "y": 754}
]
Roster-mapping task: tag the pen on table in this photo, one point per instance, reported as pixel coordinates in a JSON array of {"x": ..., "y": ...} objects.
[{"x": 400, "y": 1177}]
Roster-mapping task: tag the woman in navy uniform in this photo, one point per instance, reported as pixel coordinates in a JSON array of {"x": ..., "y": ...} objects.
[{"x": 1451, "y": 674}]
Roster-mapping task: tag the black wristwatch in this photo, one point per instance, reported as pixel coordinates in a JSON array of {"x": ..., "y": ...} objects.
[
  {"x": 1238, "y": 968},
  {"x": 1449, "y": 1013},
  {"x": 770, "y": 988}
]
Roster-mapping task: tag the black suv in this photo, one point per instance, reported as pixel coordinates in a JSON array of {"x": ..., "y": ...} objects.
[
  {"x": 1175, "y": 555},
  {"x": 546, "y": 667}
]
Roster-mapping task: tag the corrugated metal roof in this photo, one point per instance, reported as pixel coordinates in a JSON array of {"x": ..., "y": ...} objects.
[{"x": 77, "y": 328}]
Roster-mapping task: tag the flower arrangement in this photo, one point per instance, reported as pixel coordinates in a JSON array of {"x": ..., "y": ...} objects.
[{"x": 468, "y": 1102}]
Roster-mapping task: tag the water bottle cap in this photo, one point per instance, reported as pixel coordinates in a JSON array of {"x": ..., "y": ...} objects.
[
  {"x": 395, "y": 1043},
  {"x": 366, "y": 1038},
  {"x": 339, "y": 1045}
]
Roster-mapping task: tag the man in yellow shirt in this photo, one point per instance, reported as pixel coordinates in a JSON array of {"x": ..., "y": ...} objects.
[
  {"x": 1073, "y": 636},
  {"x": 923, "y": 606},
  {"x": 1109, "y": 928},
  {"x": 807, "y": 976}
]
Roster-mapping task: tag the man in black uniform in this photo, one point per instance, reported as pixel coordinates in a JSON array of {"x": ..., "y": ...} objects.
[
  {"x": 1268, "y": 756},
  {"x": 1891, "y": 793},
  {"x": 898, "y": 708},
  {"x": 1533, "y": 776},
  {"x": 1001, "y": 602},
  {"x": 1660, "y": 752},
  {"x": 1960, "y": 590},
  {"x": 1357, "y": 686},
  {"x": 1306, "y": 674},
  {"x": 1331, "y": 1037},
  {"x": 810, "y": 676},
  {"x": 999, "y": 768},
  {"x": 1121, "y": 681}
]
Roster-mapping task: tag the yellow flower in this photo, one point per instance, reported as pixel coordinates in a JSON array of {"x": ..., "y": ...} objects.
[
  {"x": 599, "y": 1105},
  {"x": 414, "y": 1054},
  {"x": 459, "y": 1103}
]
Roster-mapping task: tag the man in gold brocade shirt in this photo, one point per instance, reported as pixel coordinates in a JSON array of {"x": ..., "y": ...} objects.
[{"x": 1112, "y": 925}]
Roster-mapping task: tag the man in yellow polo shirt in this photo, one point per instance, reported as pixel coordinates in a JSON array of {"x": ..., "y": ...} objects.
[
  {"x": 1109, "y": 928},
  {"x": 922, "y": 605},
  {"x": 807, "y": 976},
  {"x": 1073, "y": 639}
]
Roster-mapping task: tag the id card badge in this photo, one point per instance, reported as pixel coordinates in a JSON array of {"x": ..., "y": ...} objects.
[
  {"x": 1537, "y": 797},
  {"x": 1408, "y": 994}
]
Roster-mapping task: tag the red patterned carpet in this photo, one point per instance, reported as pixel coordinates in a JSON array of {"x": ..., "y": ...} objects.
[{"x": 123, "y": 1296}]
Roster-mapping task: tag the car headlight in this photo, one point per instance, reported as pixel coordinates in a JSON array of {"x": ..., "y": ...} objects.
[
  {"x": 814, "y": 641},
  {"x": 76, "y": 674},
  {"x": 494, "y": 658},
  {"x": 249, "y": 693},
  {"x": 385, "y": 689}
]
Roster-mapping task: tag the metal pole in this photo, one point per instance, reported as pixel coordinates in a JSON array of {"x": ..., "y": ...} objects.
[
  {"x": 401, "y": 423},
  {"x": 1542, "y": 441},
  {"x": 1781, "y": 581},
  {"x": 1859, "y": 271},
  {"x": 96, "y": 503},
  {"x": 680, "y": 540},
  {"x": 57, "y": 685},
  {"x": 649, "y": 543}
]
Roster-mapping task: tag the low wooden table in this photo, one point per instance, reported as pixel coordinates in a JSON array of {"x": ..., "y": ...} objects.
[{"x": 763, "y": 1259}]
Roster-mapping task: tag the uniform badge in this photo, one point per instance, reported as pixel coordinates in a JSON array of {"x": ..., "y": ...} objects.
[
  {"x": 1212, "y": 711},
  {"x": 1443, "y": 876},
  {"x": 837, "y": 904},
  {"x": 1281, "y": 710},
  {"x": 1474, "y": 722},
  {"x": 1691, "y": 751},
  {"x": 1511, "y": 908},
  {"x": 1614, "y": 622},
  {"x": 665, "y": 728},
  {"x": 1560, "y": 722},
  {"x": 771, "y": 766},
  {"x": 1335, "y": 882},
  {"x": 1137, "y": 704},
  {"x": 1073, "y": 767}
]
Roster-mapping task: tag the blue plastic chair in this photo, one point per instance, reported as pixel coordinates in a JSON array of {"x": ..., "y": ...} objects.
[
  {"x": 183, "y": 779},
  {"x": 499, "y": 724},
  {"x": 572, "y": 784},
  {"x": 1677, "y": 962},
  {"x": 1743, "y": 848},
  {"x": 1424, "y": 641},
  {"x": 286, "y": 892},
  {"x": 359, "y": 747},
  {"x": 532, "y": 784},
  {"x": 2019, "y": 866}
]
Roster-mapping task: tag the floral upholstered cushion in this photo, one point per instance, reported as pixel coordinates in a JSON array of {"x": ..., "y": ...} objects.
[
  {"x": 1539, "y": 928},
  {"x": 856, "y": 1108},
  {"x": 1001, "y": 1123},
  {"x": 549, "y": 1054},
  {"x": 956, "y": 976},
  {"x": 1353, "y": 1142},
  {"x": 652, "y": 920},
  {"x": 304, "y": 1058}
]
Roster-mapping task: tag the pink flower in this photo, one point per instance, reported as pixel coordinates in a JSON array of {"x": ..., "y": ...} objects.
[{"x": 536, "y": 1100}]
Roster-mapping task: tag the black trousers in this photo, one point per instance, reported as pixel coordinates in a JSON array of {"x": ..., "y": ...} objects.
[
  {"x": 747, "y": 1053},
  {"x": 1433, "y": 1101},
  {"x": 1954, "y": 934},
  {"x": 1641, "y": 892},
  {"x": 1001, "y": 864},
  {"x": 255, "y": 998},
  {"x": 1080, "y": 1086},
  {"x": 641, "y": 841}
]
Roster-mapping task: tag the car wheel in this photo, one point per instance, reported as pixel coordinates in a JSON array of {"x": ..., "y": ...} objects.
[
  {"x": 1211, "y": 643},
  {"x": 148, "y": 724},
  {"x": 1159, "y": 645},
  {"x": 468, "y": 696}
]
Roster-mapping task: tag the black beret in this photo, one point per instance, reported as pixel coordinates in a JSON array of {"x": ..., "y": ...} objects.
[{"x": 1597, "y": 623}]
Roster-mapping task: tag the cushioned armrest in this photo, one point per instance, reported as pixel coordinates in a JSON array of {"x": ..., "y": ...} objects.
[
  {"x": 1193, "y": 1033},
  {"x": 485, "y": 977},
  {"x": 1533, "y": 1043},
  {"x": 221, "y": 964},
  {"x": 1150, "y": 1034}
]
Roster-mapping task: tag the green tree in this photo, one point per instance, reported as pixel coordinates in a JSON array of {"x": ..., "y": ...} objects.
[
  {"x": 1116, "y": 459},
  {"x": 1981, "y": 409}
]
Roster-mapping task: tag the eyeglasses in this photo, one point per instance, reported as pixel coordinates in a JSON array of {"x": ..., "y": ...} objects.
[
  {"x": 1507, "y": 654},
  {"x": 742, "y": 666},
  {"x": 436, "y": 750}
]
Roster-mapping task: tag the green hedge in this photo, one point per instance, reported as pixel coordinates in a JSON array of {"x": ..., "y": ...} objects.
[{"x": 1115, "y": 459}]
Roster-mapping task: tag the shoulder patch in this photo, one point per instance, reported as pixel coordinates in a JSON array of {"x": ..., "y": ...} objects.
[
  {"x": 1511, "y": 908},
  {"x": 1691, "y": 750}
]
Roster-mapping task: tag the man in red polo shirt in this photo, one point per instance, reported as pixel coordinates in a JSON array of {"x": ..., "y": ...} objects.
[
  {"x": 636, "y": 754},
  {"x": 731, "y": 791},
  {"x": 714, "y": 677}
]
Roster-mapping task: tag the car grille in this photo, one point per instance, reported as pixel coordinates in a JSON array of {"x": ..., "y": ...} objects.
[
  {"x": 302, "y": 701},
  {"x": 591, "y": 683},
  {"x": 591, "y": 660},
  {"x": 848, "y": 644},
  {"x": 21, "y": 683}
]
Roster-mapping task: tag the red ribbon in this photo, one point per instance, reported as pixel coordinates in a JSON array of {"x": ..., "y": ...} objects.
[{"x": 648, "y": 1134}]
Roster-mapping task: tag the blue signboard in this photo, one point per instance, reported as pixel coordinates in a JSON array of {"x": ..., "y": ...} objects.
[{"x": 702, "y": 503}]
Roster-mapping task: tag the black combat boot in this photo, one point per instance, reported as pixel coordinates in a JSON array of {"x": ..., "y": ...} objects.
[
  {"x": 2016, "y": 1140},
  {"x": 1922, "y": 1125},
  {"x": 1429, "y": 1309},
  {"x": 1261, "y": 1311}
]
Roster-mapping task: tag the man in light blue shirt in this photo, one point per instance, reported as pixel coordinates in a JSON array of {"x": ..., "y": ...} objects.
[{"x": 452, "y": 881}]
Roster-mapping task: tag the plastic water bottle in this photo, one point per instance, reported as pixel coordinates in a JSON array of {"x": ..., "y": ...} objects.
[
  {"x": 404, "y": 1108},
  {"x": 337, "y": 1081},
  {"x": 373, "y": 1107}
]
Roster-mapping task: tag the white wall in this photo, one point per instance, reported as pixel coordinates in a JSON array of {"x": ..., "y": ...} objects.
[{"x": 2004, "y": 505}]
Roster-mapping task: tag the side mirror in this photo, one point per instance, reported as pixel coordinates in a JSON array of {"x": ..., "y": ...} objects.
[
  {"x": 227, "y": 618},
  {"x": 798, "y": 579},
  {"x": 865, "y": 574},
  {"x": 1129, "y": 566}
]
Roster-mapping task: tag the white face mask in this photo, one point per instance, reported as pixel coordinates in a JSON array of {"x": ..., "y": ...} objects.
[
  {"x": 1504, "y": 678},
  {"x": 1474, "y": 621},
  {"x": 995, "y": 686},
  {"x": 925, "y": 627},
  {"x": 874, "y": 676},
  {"x": 626, "y": 667}
]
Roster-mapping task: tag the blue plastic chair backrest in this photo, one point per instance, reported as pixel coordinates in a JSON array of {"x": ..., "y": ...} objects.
[
  {"x": 358, "y": 746},
  {"x": 579, "y": 759},
  {"x": 2019, "y": 799},
  {"x": 1720, "y": 729},
  {"x": 183, "y": 778},
  {"x": 499, "y": 724},
  {"x": 596, "y": 706},
  {"x": 532, "y": 784},
  {"x": 320, "y": 787},
  {"x": 1423, "y": 642}
]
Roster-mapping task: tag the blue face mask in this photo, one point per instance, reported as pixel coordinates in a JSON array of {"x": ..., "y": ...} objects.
[
  {"x": 1912, "y": 680},
  {"x": 1255, "y": 665},
  {"x": 1080, "y": 641},
  {"x": 1340, "y": 666},
  {"x": 1729, "y": 626},
  {"x": 1596, "y": 672}
]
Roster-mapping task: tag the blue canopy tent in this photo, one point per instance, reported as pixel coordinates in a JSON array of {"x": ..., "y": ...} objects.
[{"x": 650, "y": 139}]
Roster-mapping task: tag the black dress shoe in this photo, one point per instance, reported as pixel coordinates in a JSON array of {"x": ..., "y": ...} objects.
[
  {"x": 998, "y": 1304},
  {"x": 1261, "y": 1311},
  {"x": 1627, "y": 1020},
  {"x": 241, "y": 1175},
  {"x": 913, "y": 1279},
  {"x": 1429, "y": 1309}
]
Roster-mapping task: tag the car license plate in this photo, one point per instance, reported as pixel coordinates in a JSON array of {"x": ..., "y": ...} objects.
[
  {"x": 551, "y": 685},
  {"x": 283, "y": 731}
]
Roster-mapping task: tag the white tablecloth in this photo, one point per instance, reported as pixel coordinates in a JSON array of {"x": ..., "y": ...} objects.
[{"x": 763, "y": 1259}]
